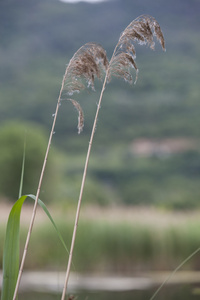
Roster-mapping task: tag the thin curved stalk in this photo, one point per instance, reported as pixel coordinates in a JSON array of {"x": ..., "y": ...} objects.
[
  {"x": 122, "y": 59},
  {"x": 173, "y": 273},
  {"x": 81, "y": 192},
  {"x": 75, "y": 69},
  {"x": 83, "y": 184},
  {"x": 38, "y": 191}
]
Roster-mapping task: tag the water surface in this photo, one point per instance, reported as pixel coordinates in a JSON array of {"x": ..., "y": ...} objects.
[{"x": 171, "y": 292}]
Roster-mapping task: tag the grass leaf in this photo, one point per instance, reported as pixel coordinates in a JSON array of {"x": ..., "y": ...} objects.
[
  {"x": 22, "y": 172},
  {"x": 51, "y": 219},
  {"x": 11, "y": 251},
  {"x": 174, "y": 272},
  {"x": 11, "y": 246}
]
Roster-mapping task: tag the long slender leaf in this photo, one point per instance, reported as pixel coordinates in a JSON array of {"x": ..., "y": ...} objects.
[
  {"x": 174, "y": 272},
  {"x": 22, "y": 171},
  {"x": 11, "y": 246},
  {"x": 11, "y": 251},
  {"x": 51, "y": 219}
]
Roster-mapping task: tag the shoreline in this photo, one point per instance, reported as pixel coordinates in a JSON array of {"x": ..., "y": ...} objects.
[{"x": 52, "y": 281}]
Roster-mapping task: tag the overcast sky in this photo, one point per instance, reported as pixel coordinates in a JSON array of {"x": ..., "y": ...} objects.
[{"x": 75, "y": 1}]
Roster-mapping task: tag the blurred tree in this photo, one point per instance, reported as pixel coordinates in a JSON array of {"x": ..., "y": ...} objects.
[{"x": 13, "y": 135}]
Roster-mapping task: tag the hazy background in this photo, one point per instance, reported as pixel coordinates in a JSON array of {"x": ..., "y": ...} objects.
[
  {"x": 146, "y": 147},
  {"x": 141, "y": 200}
]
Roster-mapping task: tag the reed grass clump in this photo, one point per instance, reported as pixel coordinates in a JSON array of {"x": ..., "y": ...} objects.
[
  {"x": 141, "y": 30},
  {"x": 88, "y": 63},
  {"x": 114, "y": 245},
  {"x": 85, "y": 65}
]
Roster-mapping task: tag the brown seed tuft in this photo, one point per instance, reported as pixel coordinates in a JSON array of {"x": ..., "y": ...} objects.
[
  {"x": 80, "y": 115},
  {"x": 141, "y": 30},
  {"x": 86, "y": 64}
]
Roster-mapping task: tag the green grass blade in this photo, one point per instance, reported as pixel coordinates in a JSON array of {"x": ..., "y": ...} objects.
[
  {"x": 51, "y": 219},
  {"x": 11, "y": 246},
  {"x": 22, "y": 172},
  {"x": 11, "y": 251},
  {"x": 172, "y": 274}
]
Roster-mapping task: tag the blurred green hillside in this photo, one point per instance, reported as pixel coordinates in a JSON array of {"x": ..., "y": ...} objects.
[{"x": 38, "y": 37}]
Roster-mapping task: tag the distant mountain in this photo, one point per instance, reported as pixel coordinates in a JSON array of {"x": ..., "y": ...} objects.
[
  {"x": 39, "y": 36},
  {"x": 54, "y": 25},
  {"x": 37, "y": 39}
]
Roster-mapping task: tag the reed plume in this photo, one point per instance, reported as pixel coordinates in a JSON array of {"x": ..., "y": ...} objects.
[
  {"x": 141, "y": 30},
  {"x": 80, "y": 114},
  {"x": 85, "y": 65},
  {"x": 88, "y": 63}
]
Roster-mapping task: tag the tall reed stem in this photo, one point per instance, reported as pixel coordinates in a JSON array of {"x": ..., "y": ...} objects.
[
  {"x": 78, "y": 65},
  {"x": 38, "y": 191},
  {"x": 85, "y": 64},
  {"x": 121, "y": 60},
  {"x": 83, "y": 183},
  {"x": 81, "y": 192}
]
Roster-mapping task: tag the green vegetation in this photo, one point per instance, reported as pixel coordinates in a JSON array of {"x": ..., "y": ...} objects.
[
  {"x": 170, "y": 181},
  {"x": 117, "y": 246},
  {"x": 11, "y": 246},
  {"x": 13, "y": 135},
  {"x": 164, "y": 103}
]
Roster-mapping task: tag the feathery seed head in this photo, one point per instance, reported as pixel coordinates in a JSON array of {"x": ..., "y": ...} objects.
[
  {"x": 80, "y": 115},
  {"x": 141, "y": 30},
  {"x": 86, "y": 64}
]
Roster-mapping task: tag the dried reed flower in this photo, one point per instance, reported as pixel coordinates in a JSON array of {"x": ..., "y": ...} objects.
[
  {"x": 141, "y": 30},
  {"x": 80, "y": 115},
  {"x": 86, "y": 64}
]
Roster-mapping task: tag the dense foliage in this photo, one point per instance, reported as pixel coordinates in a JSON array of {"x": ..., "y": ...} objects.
[{"x": 14, "y": 136}]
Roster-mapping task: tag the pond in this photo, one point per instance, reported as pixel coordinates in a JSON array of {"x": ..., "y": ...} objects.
[
  {"x": 48, "y": 286},
  {"x": 186, "y": 292}
]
